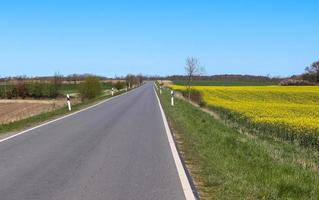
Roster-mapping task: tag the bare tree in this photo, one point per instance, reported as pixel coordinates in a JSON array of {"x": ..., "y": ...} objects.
[
  {"x": 129, "y": 80},
  {"x": 192, "y": 68},
  {"x": 314, "y": 70},
  {"x": 57, "y": 81},
  {"x": 140, "y": 78}
]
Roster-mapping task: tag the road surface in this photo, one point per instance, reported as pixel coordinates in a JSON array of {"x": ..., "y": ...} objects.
[{"x": 116, "y": 150}]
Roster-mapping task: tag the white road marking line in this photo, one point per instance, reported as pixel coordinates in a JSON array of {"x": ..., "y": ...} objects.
[
  {"x": 52, "y": 121},
  {"x": 187, "y": 189}
]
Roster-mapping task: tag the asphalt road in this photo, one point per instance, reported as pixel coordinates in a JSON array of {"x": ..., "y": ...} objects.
[{"x": 116, "y": 150}]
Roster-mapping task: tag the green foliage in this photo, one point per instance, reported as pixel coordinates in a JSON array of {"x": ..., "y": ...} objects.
[
  {"x": 41, "y": 90},
  {"x": 6, "y": 90},
  {"x": 90, "y": 88},
  {"x": 2, "y": 93}
]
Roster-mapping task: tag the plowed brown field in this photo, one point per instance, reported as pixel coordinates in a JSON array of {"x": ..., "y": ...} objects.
[{"x": 13, "y": 110}]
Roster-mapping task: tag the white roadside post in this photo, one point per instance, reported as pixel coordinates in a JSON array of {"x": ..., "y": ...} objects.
[
  {"x": 112, "y": 91},
  {"x": 68, "y": 101},
  {"x": 160, "y": 89},
  {"x": 172, "y": 97}
]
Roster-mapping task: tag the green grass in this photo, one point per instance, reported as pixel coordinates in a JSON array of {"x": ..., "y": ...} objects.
[
  {"x": 74, "y": 88},
  {"x": 40, "y": 118},
  {"x": 227, "y": 164},
  {"x": 226, "y": 83},
  {"x": 68, "y": 88}
]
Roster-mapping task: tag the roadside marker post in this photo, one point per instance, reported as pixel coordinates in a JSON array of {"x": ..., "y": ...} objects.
[
  {"x": 160, "y": 89},
  {"x": 172, "y": 97},
  {"x": 68, "y": 101},
  {"x": 112, "y": 91}
]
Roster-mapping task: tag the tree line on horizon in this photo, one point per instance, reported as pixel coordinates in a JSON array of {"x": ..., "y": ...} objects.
[
  {"x": 310, "y": 76},
  {"x": 89, "y": 86}
]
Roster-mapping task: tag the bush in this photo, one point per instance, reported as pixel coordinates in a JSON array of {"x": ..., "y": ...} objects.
[
  {"x": 49, "y": 90},
  {"x": 41, "y": 89},
  {"x": 21, "y": 90},
  {"x": 35, "y": 89},
  {"x": 9, "y": 94},
  {"x": 195, "y": 96},
  {"x": 90, "y": 88},
  {"x": 119, "y": 85},
  {"x": 6, "y": 91},
  {"x": 2, "y": 94}
]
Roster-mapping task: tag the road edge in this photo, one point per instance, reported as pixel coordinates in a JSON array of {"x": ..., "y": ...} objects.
[
  {"x": 63, "y": 117},
  {"x": 186, "y": 185}
]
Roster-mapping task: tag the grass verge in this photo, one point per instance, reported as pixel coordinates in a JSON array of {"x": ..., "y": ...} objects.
[
  {"x": 226, "y": 164},
  {"x": 40, "y": 118}
]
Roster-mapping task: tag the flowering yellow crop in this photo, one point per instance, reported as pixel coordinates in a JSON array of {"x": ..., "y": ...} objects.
[{"x": 294, "y": 107}]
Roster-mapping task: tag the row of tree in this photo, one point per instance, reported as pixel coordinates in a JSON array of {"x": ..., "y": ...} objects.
[
  {"x": 24, "y": 87},
  {"x": 48, "y": 87},
  {"x": 193, "y": 71},
  {"x": 75, "y": 78},
  {"x": 31, "y": 89},
  {"x": 91, "y": 87}
]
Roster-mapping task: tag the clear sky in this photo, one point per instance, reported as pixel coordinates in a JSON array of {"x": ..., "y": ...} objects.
[{"x": 276, "y": 37}]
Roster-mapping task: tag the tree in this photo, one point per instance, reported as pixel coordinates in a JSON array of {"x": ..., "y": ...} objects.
[
  {"x": 90, "y": 88},
  {"x": 313, "y": 70},
  {"x": 128, "y": 80},
  {"x": 118, "y": 85},
  {"x": 192, "y": 68},
  {"x": 131, "y": 80},
  {"x": 21, "y": 89},
  {"x": 140, "y": 79}
]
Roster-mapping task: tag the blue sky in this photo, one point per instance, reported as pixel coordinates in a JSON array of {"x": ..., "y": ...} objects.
[{"x": 275, "y": 37}]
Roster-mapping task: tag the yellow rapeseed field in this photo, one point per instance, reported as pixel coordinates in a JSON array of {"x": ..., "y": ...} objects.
[{"x": 293, "y": 108}]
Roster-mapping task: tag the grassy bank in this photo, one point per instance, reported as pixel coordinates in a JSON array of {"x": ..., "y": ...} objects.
[
  {"x": 226, "y": 164},
  {"x": 37, "y": 119}
]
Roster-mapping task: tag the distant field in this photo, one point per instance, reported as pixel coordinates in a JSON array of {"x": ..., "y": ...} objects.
[
  {"x": 226, "y": 83},
  {"x": 290, "y": 112},
  {"x": 74, "y": 88}
]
